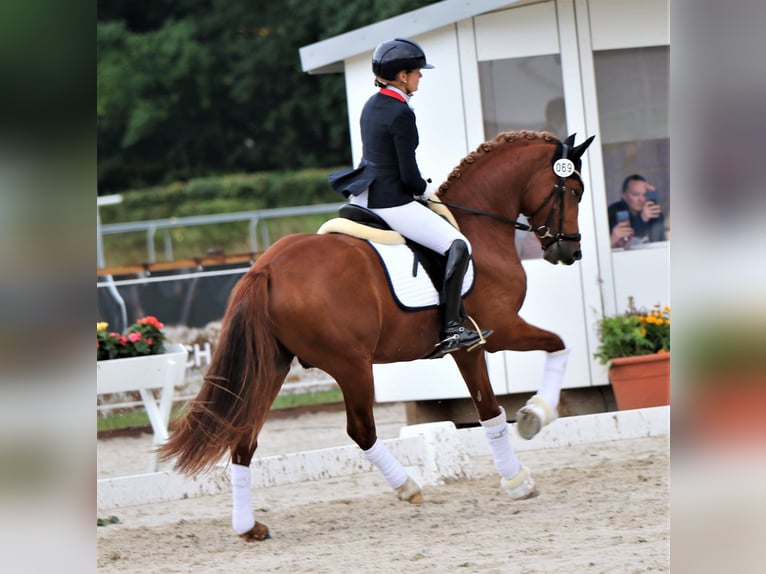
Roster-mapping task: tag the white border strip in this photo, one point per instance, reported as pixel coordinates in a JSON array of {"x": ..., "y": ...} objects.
[
  {"x": 570, "y": 431},
  {"x": 267, "y": 471},
  {"x": 436, "y": 450}
]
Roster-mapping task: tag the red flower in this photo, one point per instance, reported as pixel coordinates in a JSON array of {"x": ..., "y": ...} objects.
[{"x": 144, "y": 337}]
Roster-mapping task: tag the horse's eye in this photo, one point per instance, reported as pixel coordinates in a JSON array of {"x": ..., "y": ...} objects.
[{"x": 577, "y": 193}]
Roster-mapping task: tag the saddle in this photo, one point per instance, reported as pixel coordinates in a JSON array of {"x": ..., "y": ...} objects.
[
  {"x": 433, "y": 263},
  {"x": 363, "y": 215}
]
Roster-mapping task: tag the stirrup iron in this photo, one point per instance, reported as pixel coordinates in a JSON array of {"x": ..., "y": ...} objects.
[{"x": 482, "y": 336}]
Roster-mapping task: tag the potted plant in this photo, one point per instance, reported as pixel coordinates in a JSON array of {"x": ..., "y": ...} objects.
[
  {"x": 143, "y": 338},
  {"x": 635, "y": 347},
  {"x": 139, "y": 360}
]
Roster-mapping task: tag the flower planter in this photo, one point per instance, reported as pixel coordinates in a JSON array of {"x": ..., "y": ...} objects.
[
  {"x": 641, "y": 381},
  {"x": 134, "y": 373},
  {"x": 144, "y": 374}
]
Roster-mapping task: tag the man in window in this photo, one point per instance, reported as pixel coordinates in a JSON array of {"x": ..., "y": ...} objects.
[{"x": 637, "y": 218}]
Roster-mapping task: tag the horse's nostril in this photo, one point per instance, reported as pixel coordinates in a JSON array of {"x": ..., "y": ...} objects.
[{"x": 577, "y": 255}]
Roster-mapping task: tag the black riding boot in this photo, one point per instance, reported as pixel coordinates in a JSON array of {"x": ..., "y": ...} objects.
[{"x": 454, "y": 335}]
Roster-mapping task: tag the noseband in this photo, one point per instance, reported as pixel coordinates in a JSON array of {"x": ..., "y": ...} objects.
[{"x": 543, "y": 232}]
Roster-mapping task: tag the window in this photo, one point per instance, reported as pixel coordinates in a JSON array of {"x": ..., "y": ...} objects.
[
  {"x": 523, "y": 94},
  {"x": 632, "y": 90}
]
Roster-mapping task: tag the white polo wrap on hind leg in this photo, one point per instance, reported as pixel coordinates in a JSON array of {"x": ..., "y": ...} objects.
[
  {"x": 496, "y": 431},
  {"x": 393, "y": 471},
  {"x": 242, "y": 517}
]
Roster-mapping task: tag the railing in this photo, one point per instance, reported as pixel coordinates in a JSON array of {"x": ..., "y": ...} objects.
[{"x": 151, "y": 227}]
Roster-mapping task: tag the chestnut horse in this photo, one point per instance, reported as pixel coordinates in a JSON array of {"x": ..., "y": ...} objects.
[{"x": 325, "y": 299}]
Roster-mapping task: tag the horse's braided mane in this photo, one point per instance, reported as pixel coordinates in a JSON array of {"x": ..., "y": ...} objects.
[{"x": 501, "y": 139}]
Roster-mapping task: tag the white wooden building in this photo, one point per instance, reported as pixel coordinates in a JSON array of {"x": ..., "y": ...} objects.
[{"x": 587, "y": 66}]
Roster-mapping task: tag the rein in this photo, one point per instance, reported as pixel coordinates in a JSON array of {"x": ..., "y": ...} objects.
[
  {"x": 516, "y": 224},
  {"x": 542, "y": 231}
]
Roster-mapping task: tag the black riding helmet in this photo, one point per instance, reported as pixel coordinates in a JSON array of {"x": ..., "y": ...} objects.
[{"x": 392, "y": 56}]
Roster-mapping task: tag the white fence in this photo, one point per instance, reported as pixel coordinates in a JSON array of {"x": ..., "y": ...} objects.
[
  {"x": 434, "y": 452},
  {"x": 254, "y": 218}
]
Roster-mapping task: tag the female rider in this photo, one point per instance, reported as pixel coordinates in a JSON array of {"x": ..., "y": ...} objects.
[{"x": 388, "y": 180}]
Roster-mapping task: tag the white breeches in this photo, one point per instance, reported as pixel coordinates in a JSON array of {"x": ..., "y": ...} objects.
[{"x": 418, "y": 223}]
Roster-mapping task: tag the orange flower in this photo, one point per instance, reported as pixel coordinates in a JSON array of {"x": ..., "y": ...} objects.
[{"x": 152, "y": 321}]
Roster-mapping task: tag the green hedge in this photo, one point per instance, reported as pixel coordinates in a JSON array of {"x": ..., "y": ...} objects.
[
  {"x": 214, "y": 195},
  {"x": 224, "y": 194}
]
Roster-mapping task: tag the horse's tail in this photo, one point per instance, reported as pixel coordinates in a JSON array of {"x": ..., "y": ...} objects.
[{"x": 239, "y": 386}]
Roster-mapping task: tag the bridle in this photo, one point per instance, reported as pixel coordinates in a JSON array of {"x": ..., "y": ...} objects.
[
  {"x": 543, "y": 232},
  {"x": 557, "y": 194}
]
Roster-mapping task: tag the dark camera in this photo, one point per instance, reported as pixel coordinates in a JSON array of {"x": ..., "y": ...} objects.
[{"x": 652, "y": 196}]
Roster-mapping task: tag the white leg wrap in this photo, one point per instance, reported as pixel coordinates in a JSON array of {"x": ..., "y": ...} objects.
[
  {"x": 242, "y": 517},
  {"x": 553, "y": 376},
  {"x": 393, "y": 471},
  {"x": 496, "y": 431},
  {"x": 542, "y": 409}
]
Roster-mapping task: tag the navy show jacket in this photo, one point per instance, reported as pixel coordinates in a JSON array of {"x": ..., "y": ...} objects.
[{"x": 388, "y": 167}]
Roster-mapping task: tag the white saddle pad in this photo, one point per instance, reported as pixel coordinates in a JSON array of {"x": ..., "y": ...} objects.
[{"x": 412, "y": 292}]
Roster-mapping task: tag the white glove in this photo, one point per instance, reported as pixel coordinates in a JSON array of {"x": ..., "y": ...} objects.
[{"x": 431, "y": 189}]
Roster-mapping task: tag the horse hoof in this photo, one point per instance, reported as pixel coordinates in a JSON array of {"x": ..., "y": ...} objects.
[
  {"x": 532, "y": 417},
  {"x": 410, "y": 492},
  {"x": 521, "y": 486},
  {"x": 416, "y": 498},
  {"x": 257, "y": 532}
]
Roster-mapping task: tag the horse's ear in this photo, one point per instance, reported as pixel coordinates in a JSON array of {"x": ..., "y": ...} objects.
[
  {"x": 570, "y": 140},
  {"x": 580, "y": 149}
]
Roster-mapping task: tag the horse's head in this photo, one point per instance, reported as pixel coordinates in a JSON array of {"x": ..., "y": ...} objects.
[
  {"x": 521, "y": 172},
  {"x": 551, "y": 203}
]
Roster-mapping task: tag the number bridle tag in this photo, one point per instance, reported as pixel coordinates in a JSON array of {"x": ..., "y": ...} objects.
[{"x": 563, "y": 167}]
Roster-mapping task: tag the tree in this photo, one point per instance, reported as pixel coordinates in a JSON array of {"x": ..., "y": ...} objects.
[{"x": 189, "y": 88}]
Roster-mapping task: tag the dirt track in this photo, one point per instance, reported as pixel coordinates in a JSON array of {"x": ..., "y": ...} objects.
[{"x": 603, "y": 507}]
